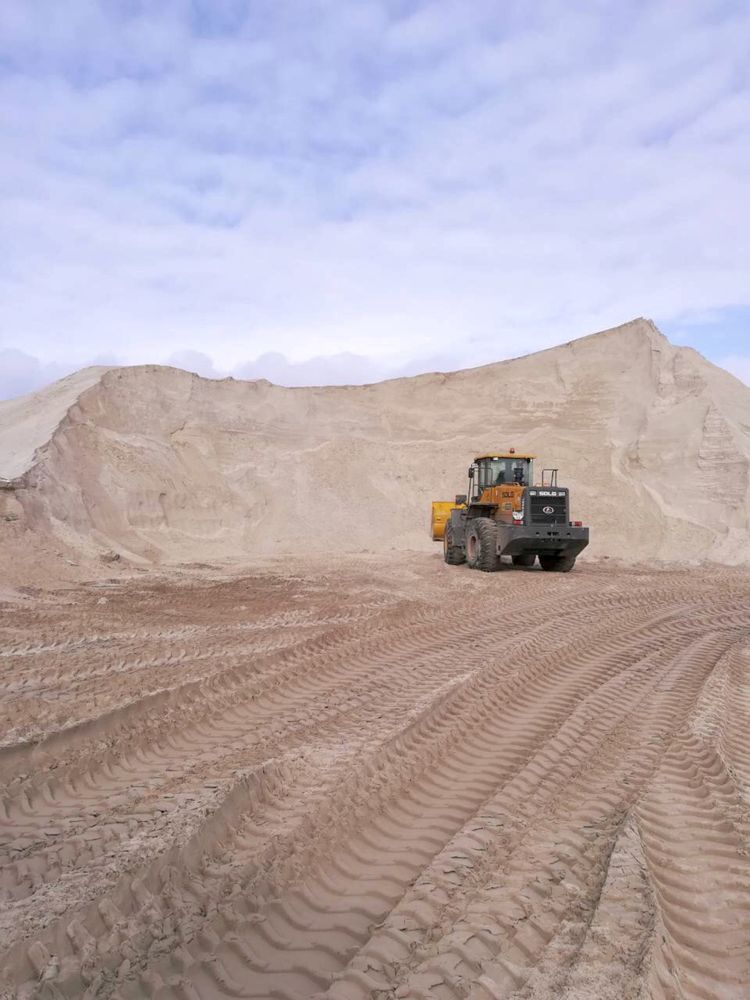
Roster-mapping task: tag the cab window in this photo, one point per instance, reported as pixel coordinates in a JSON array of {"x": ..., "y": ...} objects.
[{"x": 501, "y": 471}]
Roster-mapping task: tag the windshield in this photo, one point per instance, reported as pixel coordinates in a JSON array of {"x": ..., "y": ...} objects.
[{"x": 498, "y": 471}]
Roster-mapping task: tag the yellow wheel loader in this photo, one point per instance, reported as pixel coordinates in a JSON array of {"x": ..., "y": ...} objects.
[{"x": 504, "y": 513}]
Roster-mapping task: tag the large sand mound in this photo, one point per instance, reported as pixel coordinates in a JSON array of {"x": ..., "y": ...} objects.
[{"x": 160, "y": 464}]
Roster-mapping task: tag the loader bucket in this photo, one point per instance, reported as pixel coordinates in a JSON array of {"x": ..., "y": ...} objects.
[{"x": 441, "y": 511}]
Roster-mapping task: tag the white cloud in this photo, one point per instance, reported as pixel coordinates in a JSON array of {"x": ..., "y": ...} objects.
[
  {"x": 21, "y": 373},
  {"x": 194, "y": 361},
  {"x": 352, "y": 181}
]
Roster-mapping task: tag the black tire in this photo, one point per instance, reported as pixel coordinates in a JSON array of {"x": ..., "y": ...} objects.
[
  {"x": 481, "y": 545},
  {"x": 453, "y": 554},
  {"x": 557, "y": 564},
  {"x": 524, "y": 559}
]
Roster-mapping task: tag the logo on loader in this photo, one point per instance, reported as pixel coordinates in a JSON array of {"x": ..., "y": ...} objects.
[{"x": 548, "y": 510}]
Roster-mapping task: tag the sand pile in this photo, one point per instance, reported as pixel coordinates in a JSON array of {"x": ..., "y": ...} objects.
[{"x": 159, "y": 464}]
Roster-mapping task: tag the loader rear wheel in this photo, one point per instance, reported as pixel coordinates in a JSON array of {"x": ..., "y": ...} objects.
[
  {"x": 557, "y": 564},
  {"x": 453, "y": 554},
  {"x": 481, "y": 545},
  {"x": 524, "y": 559}
]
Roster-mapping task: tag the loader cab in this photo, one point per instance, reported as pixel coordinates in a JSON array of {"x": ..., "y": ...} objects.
[{"x": 501, "y": 469}]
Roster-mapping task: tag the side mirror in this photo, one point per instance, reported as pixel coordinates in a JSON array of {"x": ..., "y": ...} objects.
[
  {"x": 471, "y": 472},
  {"x": 460, "y": 498}
]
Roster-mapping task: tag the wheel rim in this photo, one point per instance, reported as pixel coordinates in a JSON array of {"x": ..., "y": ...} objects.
[{"x": 471, "y": 547}]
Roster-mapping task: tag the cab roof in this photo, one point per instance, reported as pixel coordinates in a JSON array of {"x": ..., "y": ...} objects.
[{"x": 502, "y": 454}]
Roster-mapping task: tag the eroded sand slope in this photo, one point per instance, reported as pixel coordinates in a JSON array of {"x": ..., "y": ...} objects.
[
  {"x": 398, "y": 781},
  {"x": 161, "y": 465}
]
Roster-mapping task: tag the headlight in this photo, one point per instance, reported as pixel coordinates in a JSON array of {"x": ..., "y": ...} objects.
[{"x": 518, "y": 515}]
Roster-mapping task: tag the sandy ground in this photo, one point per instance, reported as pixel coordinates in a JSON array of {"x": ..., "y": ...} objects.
[{"x": 377, "y": 777}]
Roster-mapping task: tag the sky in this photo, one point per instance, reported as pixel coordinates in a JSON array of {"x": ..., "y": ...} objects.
[{"x": 315, "y": 191}]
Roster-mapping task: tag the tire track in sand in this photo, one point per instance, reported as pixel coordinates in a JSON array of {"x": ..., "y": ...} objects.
[
  {"x": 304, "y": 938},
  {"x": 540, "y": 665},
  {"x": 524, "y": 875},
  {"x": 694, "y": 828},
  {"x": 534, "y": 642},
  {"x": 420, "y": 648},
  {"x": 474, "y": 816}
]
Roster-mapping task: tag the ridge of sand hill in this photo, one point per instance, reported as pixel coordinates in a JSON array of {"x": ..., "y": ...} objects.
[
  {"x": 28, "y": 422},
  {"x": 162, "y": 465}
]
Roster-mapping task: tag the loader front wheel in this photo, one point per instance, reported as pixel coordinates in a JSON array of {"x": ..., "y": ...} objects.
[
  {"x": 453, "y": 554},
  {"x": 524, "y": 559},
  {"x": 481, "y": 545}
]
